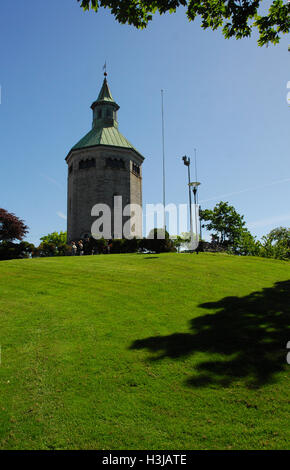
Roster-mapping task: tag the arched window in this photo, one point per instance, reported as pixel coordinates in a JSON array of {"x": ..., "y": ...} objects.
[
  {"x": 119, "y": 164},
  {"x": 136, "y": 169},
  {"x": 84, "y": 164}
]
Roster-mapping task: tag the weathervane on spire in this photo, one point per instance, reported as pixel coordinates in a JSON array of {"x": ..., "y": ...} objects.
[{"x": 105, "y": 68}]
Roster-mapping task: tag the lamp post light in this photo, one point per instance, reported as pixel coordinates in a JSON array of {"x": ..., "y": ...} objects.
[{"x": 194, "y": 187}]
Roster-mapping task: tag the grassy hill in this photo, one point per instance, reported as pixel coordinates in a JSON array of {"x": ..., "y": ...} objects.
[{"x": 171, "y": 351}]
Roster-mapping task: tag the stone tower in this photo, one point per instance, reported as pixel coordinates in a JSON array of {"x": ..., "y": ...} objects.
[{"x": 102, "y": 165}]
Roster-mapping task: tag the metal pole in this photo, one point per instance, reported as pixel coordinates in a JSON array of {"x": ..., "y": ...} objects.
[
  {"x": 195, "y": 201},
  {"x": 163, "y": 159},
  {"x": 195, "y": 164},
  {"x": 200, "y": 227},
  {"x": 189, "y": 192}
]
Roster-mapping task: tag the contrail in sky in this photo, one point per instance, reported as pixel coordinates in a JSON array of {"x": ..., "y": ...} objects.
[
  {"x": 270, "y": 221},
  {"x": 52, "y": 181},
  {"x": 61, "y": 215},
  {"x": 285, "y": 180}
]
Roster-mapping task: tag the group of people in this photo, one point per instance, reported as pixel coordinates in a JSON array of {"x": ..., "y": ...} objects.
[
  {"x": 77, "y": 248},
  {"x": 84, "y": 247}
]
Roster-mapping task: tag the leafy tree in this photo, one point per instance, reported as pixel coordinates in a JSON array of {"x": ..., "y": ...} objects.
[
  {"x": 182, "y": 241},
  {"x": 54, "y": 244},
  {"x": 276, "y": 244},
  {"x": 177, "y": 242},
  {"x": 10, "y": 250},
  {"x": 11, "y": 227},
  {"x": 237, "y": 18},
  {"x": 47, "y": 249},
  {"x": 158, "y": 241},
  {"x": 280, "y": 235},
  {"x": 246, "y": 244},
  {"x": 55, "y": 237},
  {"x": 225, "y": 222}
]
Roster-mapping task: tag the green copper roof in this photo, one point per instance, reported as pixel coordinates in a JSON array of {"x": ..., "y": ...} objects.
[
  {"x": 105, "y": 93},
  {"x": 104, "y": 136},
  {"x": 105, "y": 125}
]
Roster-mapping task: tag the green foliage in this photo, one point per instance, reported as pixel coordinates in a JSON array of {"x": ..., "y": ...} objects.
[
  {"x": 225, "y": 222},
  {"x": 117, "y": 246},
  {"x": 55, "y": 238},
  {"x": 183, "y": 241},
  {"x": 124, "y": 246},
  {"x": 10, "y": 250},
  {"x": 246, "y": 244},
  {"x": 47, "y": 249},
  {"x": 132, "y": 245},
  {"x": 53, "y": 244},
  {"x": 158, "y": 242},
  {"x": 177, "y": 242},
  {"x": 236, "y": 18},
  {"x": 276, "y": 244},
  {"x": 93, "y": 246}
]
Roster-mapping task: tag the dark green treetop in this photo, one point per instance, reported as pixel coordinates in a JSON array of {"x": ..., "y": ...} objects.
[{"x": 236, "y": 18}]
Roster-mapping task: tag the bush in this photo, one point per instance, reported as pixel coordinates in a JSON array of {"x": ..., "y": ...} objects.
[
  {"x": 93, "y": 246},
  {"x": 158, "y": 245},
  {"x": 10, "y": 250},
  {"x": 46, "y": 249}
]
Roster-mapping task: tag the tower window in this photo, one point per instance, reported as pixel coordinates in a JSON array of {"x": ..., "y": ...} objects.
[
  {"x": 115, "y": 163},
  {"x": 70, "y": 170},
  {"x": 136, "y": 169},
  {"x": 99, "y": 114},
  {"x": 84, "y": 164}
]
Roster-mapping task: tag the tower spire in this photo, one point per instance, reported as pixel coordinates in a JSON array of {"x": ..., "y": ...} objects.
[{"x": 105, "y": 108}]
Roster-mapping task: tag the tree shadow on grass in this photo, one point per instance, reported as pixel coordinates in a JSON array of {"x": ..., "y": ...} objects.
[{"x": 246, "y": 337}]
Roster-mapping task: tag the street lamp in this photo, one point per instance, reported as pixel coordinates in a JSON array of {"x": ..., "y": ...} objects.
[{"x": 194, "y": 187}]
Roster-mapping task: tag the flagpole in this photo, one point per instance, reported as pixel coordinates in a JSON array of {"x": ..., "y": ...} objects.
[
  {"x": 163, "y": 161},
  {"x": 195, "y": 168}
]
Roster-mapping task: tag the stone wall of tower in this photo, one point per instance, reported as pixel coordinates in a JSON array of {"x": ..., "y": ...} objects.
[
  {"x": 94, "y": 177},
  {"x": 136, "y": 192}
]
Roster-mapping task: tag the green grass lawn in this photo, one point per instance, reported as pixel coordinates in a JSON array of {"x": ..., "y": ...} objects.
[{"x": 171, "y": 351}]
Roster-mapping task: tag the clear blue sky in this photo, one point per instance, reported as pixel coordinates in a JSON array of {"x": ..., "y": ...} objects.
[{"x": 226, "y": 98}]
